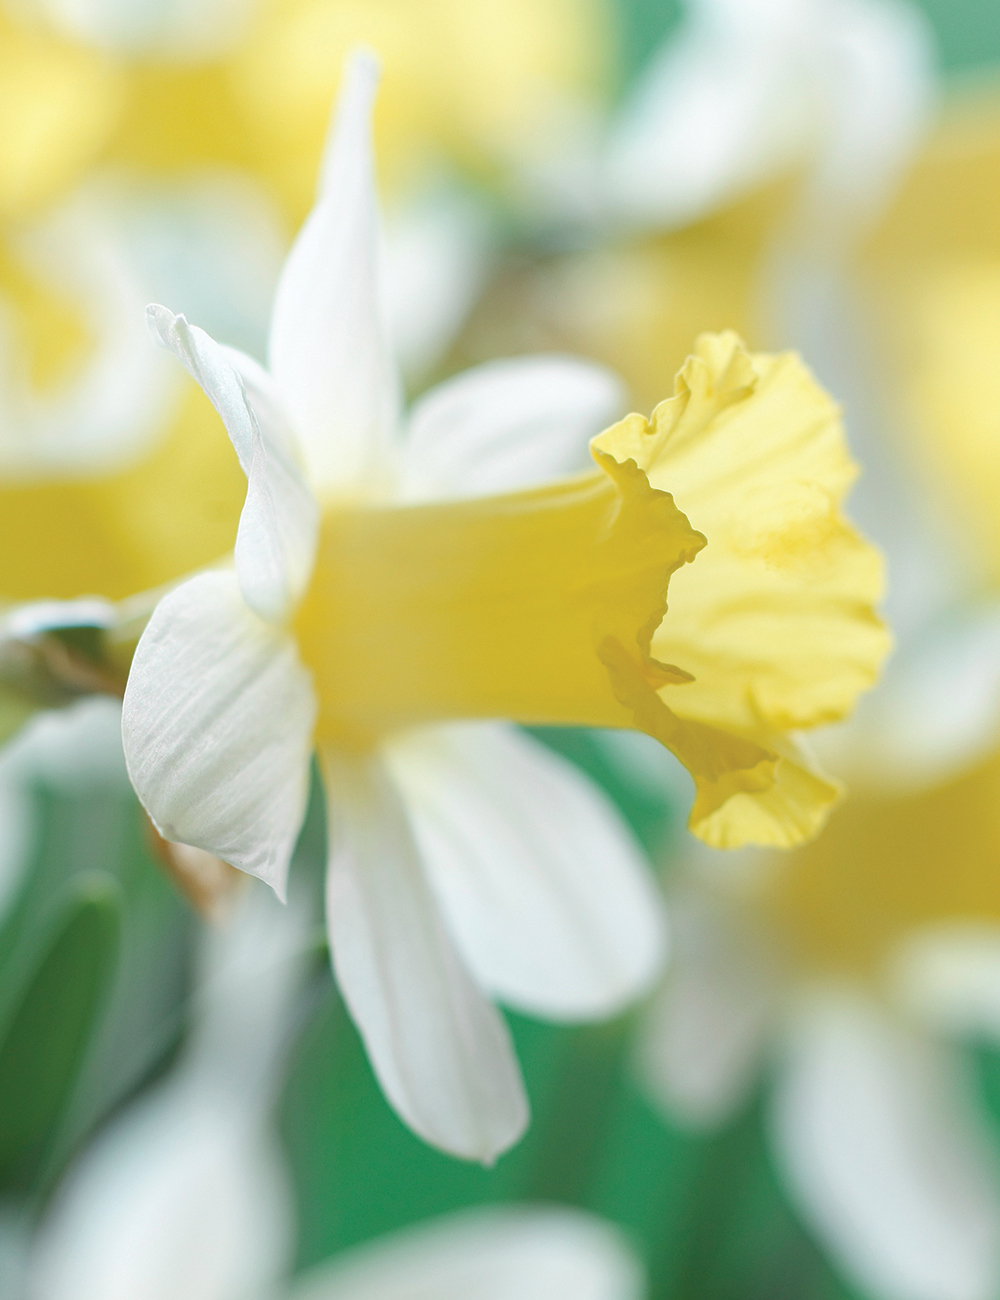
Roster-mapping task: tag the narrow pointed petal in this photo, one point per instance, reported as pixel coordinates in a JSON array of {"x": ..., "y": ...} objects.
[
  {"x": 276, "y": 540},
  {"x": 329, "y": 347},
  {"x": 549, "y": 898},
  {"x": 440, "y": 1050},
  {"x": 499, "y": 1253},
  {"x": 217, "y": 725},
  {"x": 507, "y": 425},
  {"x": 887, "y": 1156}
]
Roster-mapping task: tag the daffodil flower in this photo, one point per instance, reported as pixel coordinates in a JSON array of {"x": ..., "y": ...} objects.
[
  {"x": 185, "y": 1193},
  {"x": 383, "y": 611},
  {"x": 744, "y": 91}
]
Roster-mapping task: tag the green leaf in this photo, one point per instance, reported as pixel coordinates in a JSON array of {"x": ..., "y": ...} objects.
[{"x": 45, "y": 1038}]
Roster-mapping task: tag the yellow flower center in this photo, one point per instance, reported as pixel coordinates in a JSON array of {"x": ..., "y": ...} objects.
[
  {"x": 884, "y": 866},
  {"x": 511, "y": 606}
]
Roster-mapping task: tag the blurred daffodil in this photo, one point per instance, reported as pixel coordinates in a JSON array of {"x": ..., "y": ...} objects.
[
  {"x": 382, "y": 602},
  {"x": 231, "y": 82},
  {"x": 932, "y": 268},
  {"x": 757, "y": 145},
  {"x": 846, "y": 973},
  {"x": 745, "y": 91},
  {"x": 82, "y": 412},
  {"x": 853, "y": 969},
  {"x": 185, "y": 1192},
  {"x": 134, "y": 138}
]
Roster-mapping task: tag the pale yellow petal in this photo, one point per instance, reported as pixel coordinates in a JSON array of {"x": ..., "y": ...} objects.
[
  {"x": 776, "y": 623},
  {"x": 948, "y": 320},
  {"x": 790, "y": 811},
  {"x": 749, "y": 789}
]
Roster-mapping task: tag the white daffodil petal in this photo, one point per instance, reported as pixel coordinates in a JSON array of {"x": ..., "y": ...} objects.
[
  {"x": 886, "y": 1155},
  {"x": 252, "y": 965},
  {"x": 702, "y": 1040},
  {"x": 329, "y": 346},
  {"x": 265, "y": 400},
  {"x": 184, "y": 1196},
  {"x": 874, "y": 62},
  {"x": 279, "y": 525},
  {"x": 116, "y": 406},
  {"x": 549, "y": 897},
  {"x": 440, "y": 1050},
  {"x": 501, "y": 1253},
  {"x": 439, "y": 251},
  {"x": 182, "y": 31},
  {"x": 276, "y": 540},
  {"x": 507, "y": 425},
  {"x": 721, "y": 106},
  {"x": 934, "y": 714},
  {"x": 217, "y": 726},
  {"x": 947, "y": 977}
]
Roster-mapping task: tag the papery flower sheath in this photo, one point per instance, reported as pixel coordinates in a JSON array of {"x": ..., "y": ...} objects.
[{"x": 393, "y": 596}]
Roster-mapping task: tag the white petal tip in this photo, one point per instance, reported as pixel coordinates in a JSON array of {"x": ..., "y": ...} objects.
[
  {"x": 161, "y": 320},
  {"x": 363, "y": 66}
]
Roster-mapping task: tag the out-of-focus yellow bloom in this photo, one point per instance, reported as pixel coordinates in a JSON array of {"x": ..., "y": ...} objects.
[
  {"x": 473, "y": 83},
  {"x": 637, "y": 304},
  {"x": 468, "y": 84},
  {"x": 60, "y": 104},
  {"x": 887, "y": 866},
  {"x": 117, "y": 534},
  {"x": 934, "y": 275}
]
